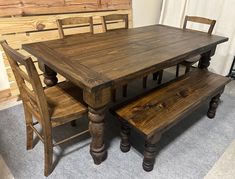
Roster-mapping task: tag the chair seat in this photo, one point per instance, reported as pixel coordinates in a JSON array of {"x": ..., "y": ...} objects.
[
  {"x": 192, "y": 60},
  {"x": 65, "y": 103}
]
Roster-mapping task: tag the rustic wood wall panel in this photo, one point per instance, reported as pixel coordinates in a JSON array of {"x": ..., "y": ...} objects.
[
  {"x": 33, "y": 7},
  {"x": 20, "y": 30}
]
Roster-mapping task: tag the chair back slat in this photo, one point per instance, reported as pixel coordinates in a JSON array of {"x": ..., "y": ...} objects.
[
  {"x": 30, "y": 94},
  {"x": 23, "y": 75},
  {"x": 115, "y": 17},
  {"x": 35, "y": 97},
  {"x": 200, "y": 20},
  {"x": 74, "y": 21}
]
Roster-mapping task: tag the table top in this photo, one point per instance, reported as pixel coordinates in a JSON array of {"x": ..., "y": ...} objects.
[{"x": 101, "y": 60}]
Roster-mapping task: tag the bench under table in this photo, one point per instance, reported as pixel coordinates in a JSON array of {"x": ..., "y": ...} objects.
[{"x": 156, "y": 111}]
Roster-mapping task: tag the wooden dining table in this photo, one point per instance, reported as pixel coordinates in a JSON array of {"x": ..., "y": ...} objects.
[{"x": 100, "y": 62}]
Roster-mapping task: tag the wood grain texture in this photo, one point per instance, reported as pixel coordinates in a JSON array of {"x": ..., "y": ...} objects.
[
  {"x": 29, "y": 33},
  {"x": 160, "y": 108},
  {"x": 106, "y": 22},
  {"x": 93, "y": 67},
  {"x": 33, "y": 7}
]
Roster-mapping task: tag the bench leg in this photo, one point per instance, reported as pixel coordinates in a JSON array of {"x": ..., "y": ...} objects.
[
  {"x": 160, "y": 77},
  {"x": 150, "y": 153},
  {"x": 114, "y": 95},
  {"x": 177, "y": 70},
  {"x": 213, "y": 106},
  {"x": 187, "y": 68},
  {"x": 125, "y": 137},
  {"x": 155, "y": 76},
  {"x": 145, "y": 79},
  {"x": 124, "y": 90}
]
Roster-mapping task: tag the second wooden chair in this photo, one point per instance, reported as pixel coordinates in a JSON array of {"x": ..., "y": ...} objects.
[
  {"x": 63, "y": 23},
  {"x": 189, "y": 62}
]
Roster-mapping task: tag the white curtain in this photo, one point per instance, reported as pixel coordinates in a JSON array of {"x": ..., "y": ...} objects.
[{"x": 223, "y": 11}]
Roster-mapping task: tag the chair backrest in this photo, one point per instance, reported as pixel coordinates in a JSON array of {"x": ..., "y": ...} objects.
[
  {"x": 74, "y": 21},
  {"x": 35, "y": 97},
  {"x": 114, "y": 17},
  {"x": 200, "y": 20}
]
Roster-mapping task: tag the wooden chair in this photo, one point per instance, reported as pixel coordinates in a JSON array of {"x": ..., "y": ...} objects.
[
  {"x": 189, "y": 62},
  {"x": 106, "y": 20},
  {"x": 51, "y": 107},
  {"x": 73, "y": 21}
]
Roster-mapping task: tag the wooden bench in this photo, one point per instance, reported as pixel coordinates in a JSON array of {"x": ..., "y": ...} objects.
[{"x": 159, "y": 109}]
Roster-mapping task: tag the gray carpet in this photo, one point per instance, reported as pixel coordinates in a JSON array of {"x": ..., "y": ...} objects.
[{"x": 188, "y": 150}]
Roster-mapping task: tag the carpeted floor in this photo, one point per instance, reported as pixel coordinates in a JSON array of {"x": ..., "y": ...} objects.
[
  {"x": 188, "y": 150},
  {"x": 225, "y": 167}
]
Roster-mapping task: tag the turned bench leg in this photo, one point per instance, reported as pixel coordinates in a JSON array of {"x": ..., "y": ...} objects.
[
  {"x": 213, "y": 106},
  {"x": 150, "y": 152},
  {"x": 125, "y": 137}
]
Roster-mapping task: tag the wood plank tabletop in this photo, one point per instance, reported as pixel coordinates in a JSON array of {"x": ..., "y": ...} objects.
[{"x": 101, "y": 60}]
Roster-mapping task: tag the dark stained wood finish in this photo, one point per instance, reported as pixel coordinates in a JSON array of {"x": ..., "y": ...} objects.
[
  {"x": 189, "y": 62},
  {"x": 98, "y": 63},
  {"x": 125, "y": 135},
  {"x": 68, "y": 22},
  {"x": 92, "y": 67},
  {"x": 156, "y": 111},
  {"x": 213, "y": 106},
  {"x": 51, "y": 107},
  {"x": 106, "y": 20}
]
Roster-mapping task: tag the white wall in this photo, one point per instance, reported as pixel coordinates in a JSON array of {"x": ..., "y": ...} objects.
[
  {"x": 146, "y": 12},
  {"x": 4, "y": 84}
]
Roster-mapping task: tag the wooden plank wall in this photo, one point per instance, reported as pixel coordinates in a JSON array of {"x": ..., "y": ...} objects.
[
  {"x": 26, "y": 29},
  {"x": 20, "y": 30},
  {"x": 33, "y": 7}
]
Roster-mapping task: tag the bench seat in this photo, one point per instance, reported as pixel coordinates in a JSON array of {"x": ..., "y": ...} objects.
[{"x": 157, "y": 110}]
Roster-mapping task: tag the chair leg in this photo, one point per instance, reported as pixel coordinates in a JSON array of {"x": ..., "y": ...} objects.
[
  {"x": 160, "y": 77},
  {"x": 29, "y": 130},
  {"x": 213, "y": 106},
  {"x": 187, "y": 69},
  {"x": 48, "y": 153},
  {"x": 124, "y": 90},
  {"x": 155, "y": 76},
  {"x": 125, "y": 137},
  {"x": 177, "y": 70},
  {"x": 145, "y": 82}
]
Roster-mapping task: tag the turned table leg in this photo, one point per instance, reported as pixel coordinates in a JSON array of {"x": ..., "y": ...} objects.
[
  {"x": 125, "y": 137},
  {"x": 213, "y": 106},
  {"x": 50, "y": 78},
  {"x": 150, "y": 152},
  {"x": 96, "y": 127},
  {"x": 204, "y": 62},
  {"x": 97, "y": 102}
]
